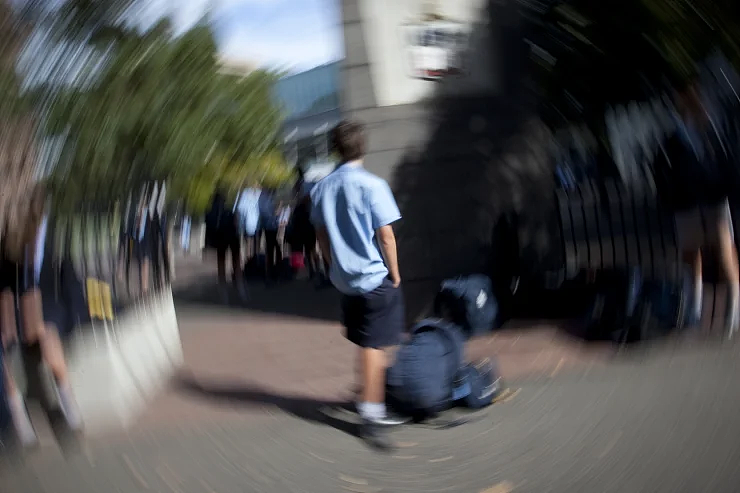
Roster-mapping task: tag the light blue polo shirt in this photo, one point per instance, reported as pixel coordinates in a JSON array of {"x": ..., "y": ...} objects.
[{"x": 351, "y": 204}]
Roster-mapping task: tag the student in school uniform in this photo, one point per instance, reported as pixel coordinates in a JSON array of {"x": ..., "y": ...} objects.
[
  {"x": 270, "y": 221},
  {"x": 354, "y": 212},
  {"x": 222, "y": 235},
  {"x": 247, "y": 209}
]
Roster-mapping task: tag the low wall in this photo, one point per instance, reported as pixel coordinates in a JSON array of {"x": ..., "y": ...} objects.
[{"x": 116, "y": 367}]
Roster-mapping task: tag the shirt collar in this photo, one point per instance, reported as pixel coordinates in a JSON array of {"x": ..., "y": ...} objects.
[{"x": 357, "y": 163}]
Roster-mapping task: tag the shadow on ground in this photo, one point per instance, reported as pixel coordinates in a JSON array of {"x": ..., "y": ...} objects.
[{"x": 245, "y": 394}]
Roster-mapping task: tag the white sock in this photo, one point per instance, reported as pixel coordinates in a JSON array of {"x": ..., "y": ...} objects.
[
  {"x": 371, "y": 410},
  {"x": 21, "y": 419}
]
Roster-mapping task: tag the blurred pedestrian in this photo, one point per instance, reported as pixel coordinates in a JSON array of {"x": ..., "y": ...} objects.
[
  {"x": 694, "y": 171},
  {"x": 30, "y": 276},
  {"x": 222, "y": 235},
  {"x": 247, "y": 208},
  {"x": 270, "y": 222}
]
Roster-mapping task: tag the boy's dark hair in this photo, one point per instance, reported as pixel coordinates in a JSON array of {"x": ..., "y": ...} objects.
[{"x": 348, "y": 139}]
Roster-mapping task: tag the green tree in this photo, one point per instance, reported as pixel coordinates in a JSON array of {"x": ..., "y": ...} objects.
[
  {"x": 19, "y": 123},
  {"x": 160, "y": 110}
]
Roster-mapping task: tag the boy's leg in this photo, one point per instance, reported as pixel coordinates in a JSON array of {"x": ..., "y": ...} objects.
[
  {"x": 694, "y": 262},
  {"x": 236, "y": 263},
  {"x": 373, "y": 366},
  {"x": 221, "y": 265},
  {"x": 374, "y": 322},
  {"x": 270, "y": 252},
  {"x": 691, "y": 236},
  {"x": 729, "y": 266}
]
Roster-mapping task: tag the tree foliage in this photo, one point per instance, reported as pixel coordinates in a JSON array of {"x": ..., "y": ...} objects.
[
  {"x": 159, "y": 109},
  {"x": 18, "y": 129}
]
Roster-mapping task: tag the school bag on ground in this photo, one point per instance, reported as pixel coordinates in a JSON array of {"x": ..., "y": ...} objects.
[
  {"x": 430, "y": 375},
  {"x": 469, "y": 303}
]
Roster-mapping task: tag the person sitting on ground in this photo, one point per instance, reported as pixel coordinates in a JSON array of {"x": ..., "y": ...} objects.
[{"x": 353, "y": 212}]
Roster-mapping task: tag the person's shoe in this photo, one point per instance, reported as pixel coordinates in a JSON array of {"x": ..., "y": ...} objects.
[
  {"x": 69, "y": 408},
  {"x": 391, "y": 419},
  {"x": 69, "y": 438},
  {"x": 376, "y": 436},
  {"x": 24, "y": 430}
]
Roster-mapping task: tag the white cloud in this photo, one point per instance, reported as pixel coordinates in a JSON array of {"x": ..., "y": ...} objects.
[
  {"x": 283, "y": 39},
  {"x": 185, "y": 13},
  {"x": 293, "y": 52}
]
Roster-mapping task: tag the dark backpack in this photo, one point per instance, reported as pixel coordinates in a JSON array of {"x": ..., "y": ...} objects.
[
  {"x": 663, "y": 306},
  {"x": 468, "y": 302},
  {"x": 479, "y": 386},
  {"x": 430, "y": 376}
]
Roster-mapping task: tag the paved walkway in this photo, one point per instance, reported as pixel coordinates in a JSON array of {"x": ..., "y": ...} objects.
[{"x": 252, "y": 411}]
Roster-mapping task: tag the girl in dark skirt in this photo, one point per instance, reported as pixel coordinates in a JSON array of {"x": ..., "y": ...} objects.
[{"x": 29, "y": 274}]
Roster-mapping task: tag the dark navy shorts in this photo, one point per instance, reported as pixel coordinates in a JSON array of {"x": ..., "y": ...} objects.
[{"x": 375, "y": 319}]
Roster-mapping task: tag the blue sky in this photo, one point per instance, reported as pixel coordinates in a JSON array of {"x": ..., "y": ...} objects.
[{"x": 295, "y": 34}]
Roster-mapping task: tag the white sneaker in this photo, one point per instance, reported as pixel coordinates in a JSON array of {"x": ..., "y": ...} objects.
[
  {"x": 22, "y": 422},
  {"x": 69, "y": 408}
]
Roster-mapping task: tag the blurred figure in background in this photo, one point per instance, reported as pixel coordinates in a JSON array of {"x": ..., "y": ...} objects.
[
  {"x": 143, "y": 245},
  {"x": 302, "y": 234},
  {"x": 31, "y": 276},
  {"x": 247, "y": 208},
  {"x": 696, "y": 167},
  {"x": 271, "y": 224},
  {"x": 284, "y": 212},
  {"x": 185, "y": 234},
  {"x": 222, "y": 235}
]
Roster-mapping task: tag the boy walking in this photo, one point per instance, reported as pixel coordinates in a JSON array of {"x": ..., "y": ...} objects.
[{"x": 353, "y": 212}]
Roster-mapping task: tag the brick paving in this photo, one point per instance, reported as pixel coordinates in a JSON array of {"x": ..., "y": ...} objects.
[{"x": 251, "y": 411}]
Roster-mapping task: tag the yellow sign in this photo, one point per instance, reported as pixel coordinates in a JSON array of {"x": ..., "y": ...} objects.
[{"x": 99, "y": 299}]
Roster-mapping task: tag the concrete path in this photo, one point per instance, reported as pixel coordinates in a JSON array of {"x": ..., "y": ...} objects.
[{"x": 254, "y": 411}]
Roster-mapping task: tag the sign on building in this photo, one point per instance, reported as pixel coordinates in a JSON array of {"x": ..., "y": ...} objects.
[{"x": 435, "y": 47}]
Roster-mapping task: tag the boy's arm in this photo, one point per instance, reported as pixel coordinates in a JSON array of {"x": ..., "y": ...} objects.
[
  {"x": 384, "y": 211},
  {"x": 324, "y": 245},
  {"x": 387, "y": 243},
  {"x": 316, "y": 218}
]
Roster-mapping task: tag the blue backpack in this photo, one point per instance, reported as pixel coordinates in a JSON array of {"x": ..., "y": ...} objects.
[
  {"x": 430, "y": 375},
  {"x": 469, "y": 303}
]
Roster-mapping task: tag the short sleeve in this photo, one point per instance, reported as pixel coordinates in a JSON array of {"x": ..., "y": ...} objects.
[{"x": 383, "y": 206}]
